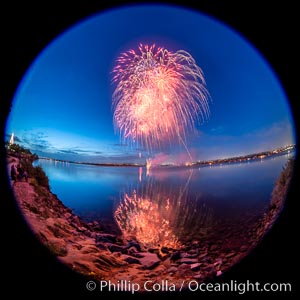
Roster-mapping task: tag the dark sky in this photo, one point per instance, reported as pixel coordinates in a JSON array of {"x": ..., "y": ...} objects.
[{"x": 62, "y": 107}]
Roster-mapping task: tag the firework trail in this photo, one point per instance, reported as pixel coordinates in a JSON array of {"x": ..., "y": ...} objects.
[{"x": 159, "y": 96}]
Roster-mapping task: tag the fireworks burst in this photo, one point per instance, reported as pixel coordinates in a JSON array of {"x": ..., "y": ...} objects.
[{"x": 159, "y": 96}]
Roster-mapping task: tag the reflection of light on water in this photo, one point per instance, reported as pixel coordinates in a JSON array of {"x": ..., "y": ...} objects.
[
  {"x": 140, "y": 173},
  {"x": 148, "y": 165},
  {"x": 147, "y": 221},
  {"x": 158, "y": 216}
]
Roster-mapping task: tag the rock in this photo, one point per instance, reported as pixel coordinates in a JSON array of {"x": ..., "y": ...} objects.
[
  {"x": 78, "y": 266},
  {"x": 116, "y": 248},
  {"x": 116, "y": 254},
  {"x": 106, "y": 238},
  {"x": 203, "y": 255},
  {"x": 195, "y": 267},
  {"x": 132, "y": 252},
  {"x": 149, "y": 261},
  {"x": 175, "y": 256},
  {"x": 131, "y": 260},
  {"x": 230, "y": 254},
  {"x": 76, "y": 220},
  {"x": 187, "y": 260},
  {"x": 162, "y": 255},
  {"x": 89, "y": 249},
  {"x": 193, "y": 252},
  {"x": 43, "y": 237},
  {"x": 152, "y": 250},
  {"x": 93, "y": 234},
  {"x": 183, "y": 254},
  {"x": 165, "y": 250},
  {"x": 135, "y": 245},
  {"x": 101, "y": 246},
  {"x": 80, "y": 229},
  {"x": 243, "y": 248},
  {"x": 109, "y": 260},
  {"x": 76, "y": 246},
  {"x": 58, "y": 247},
  {"x": 183, "y": 269},
  {"x": 68, "y": 215},
  {"x": 160, "y": 269},
  {"x": 191, "y": 255},
  {"x": 195, "y": 243},
  {"x": 172, "y": 269},
  {"x": 188, "y": 247},
  {"x": 213, "y": 247},
  {"x": 87, "y": 233},
  {"x": 218, "y": 262},
  {"x": 95, "y": 226},
  {"x": 208, "y": 268},
  {"x": 151, "y": 275}
]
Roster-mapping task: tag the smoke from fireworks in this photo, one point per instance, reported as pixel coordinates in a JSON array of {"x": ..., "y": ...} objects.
[{"x": 159, "y": 96}]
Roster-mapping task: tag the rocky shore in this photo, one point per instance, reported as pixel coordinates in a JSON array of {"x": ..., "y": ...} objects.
[{"x": 90, "y": 249}]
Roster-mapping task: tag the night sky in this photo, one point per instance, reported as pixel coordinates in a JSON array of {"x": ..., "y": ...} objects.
[{"x": 62, "y": 108}]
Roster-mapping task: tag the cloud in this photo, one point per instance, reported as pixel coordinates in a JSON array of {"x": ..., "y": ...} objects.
[
  {"x": 275, "y": 130},
  {"x": 120, "y": 145},
  {"x": 17, "y": 139},
  {"x": 217, "y": 130},
  {"x": 36, "y": 140},
  {"x": 67, "y": 151},
  {"x": 78, "y": 151},
  {"x": 98, "y": 152}
]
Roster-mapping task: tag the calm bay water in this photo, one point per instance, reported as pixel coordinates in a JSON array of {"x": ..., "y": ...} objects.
[{"x": 229, "y": 191}]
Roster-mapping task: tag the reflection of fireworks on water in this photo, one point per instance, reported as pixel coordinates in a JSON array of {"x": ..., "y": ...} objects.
[
  {"x": 157, "y": 217},
  {"x": 159, "y": 95},
  {"x": 146, "y": 221}
]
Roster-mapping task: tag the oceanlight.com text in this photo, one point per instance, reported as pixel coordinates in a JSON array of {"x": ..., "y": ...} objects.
[{"x": 239, "y": 287}]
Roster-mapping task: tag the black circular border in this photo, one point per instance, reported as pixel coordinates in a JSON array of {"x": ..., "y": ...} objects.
[{"x": 27, "y": 28}]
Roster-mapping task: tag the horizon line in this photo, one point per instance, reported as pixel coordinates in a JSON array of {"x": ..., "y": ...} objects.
[{"x": 251, "y": 156}]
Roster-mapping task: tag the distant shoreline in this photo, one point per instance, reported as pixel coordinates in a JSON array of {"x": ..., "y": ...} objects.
[{"x": 238, "y": 159}]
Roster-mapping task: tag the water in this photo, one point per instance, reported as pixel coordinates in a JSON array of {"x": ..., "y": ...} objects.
[{"x": 228, "y": 191}]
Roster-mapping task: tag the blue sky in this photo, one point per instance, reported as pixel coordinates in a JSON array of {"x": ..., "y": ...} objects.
[{"x": 62, "y": 107}]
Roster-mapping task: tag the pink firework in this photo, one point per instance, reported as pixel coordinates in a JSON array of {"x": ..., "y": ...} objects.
[{"x": 159, "y": 96}]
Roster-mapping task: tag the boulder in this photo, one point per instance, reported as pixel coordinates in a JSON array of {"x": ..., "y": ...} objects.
[{"x": 149, "y": 261}]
